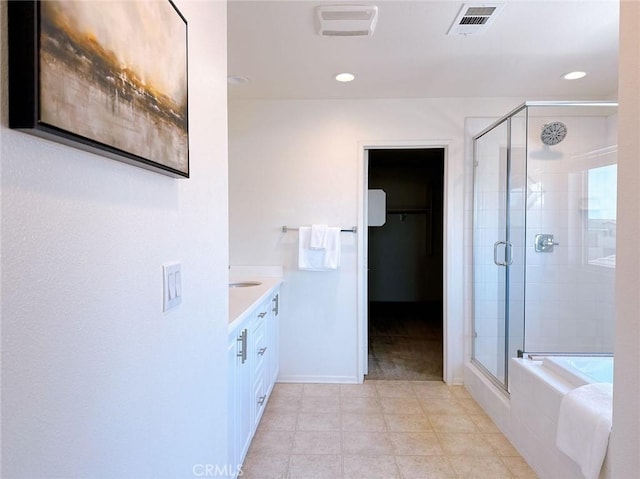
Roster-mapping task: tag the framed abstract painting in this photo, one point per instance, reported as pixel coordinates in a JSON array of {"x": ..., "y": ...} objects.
[{"x": 107, "y": 77}]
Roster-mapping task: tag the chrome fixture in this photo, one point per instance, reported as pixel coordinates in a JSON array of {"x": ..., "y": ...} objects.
[
  {"x": 544, "y": 243},
  {"x": 553, "y": 133},
  {"x": 353, "y": 229},
  {"x": 508, "y": 258}
]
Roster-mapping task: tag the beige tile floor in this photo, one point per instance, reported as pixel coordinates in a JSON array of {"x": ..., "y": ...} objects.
[{"x": 379, "y": 429}]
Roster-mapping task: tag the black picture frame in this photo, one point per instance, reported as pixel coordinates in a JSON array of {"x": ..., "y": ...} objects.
[{"x": 105, "y": 77}]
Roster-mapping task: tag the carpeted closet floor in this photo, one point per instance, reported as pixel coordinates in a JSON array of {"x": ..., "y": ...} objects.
[{"x": 405, "y": 341}]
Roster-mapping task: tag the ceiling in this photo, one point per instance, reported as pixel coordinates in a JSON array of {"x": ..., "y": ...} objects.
[{"x": 524, "y": 53}]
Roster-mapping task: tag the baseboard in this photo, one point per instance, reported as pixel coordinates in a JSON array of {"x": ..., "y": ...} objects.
[{"x": 457, "y": 382}]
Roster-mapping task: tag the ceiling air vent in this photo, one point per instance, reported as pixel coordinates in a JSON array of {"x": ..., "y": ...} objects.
[
  {"x": 474, "y": 19},
  {"x": 346, "y": 20}
]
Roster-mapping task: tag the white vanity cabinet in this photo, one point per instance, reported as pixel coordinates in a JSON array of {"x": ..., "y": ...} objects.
[{"x": 253, "y": 368}]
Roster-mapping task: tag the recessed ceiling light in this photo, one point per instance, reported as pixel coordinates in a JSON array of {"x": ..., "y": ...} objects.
[
  {"x": 574, "y": 75},
  {"x": 345, "y": 77},
  {"x": 237, "y": 80}
]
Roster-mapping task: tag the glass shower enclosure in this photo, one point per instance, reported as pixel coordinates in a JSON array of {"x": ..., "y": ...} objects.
[{"x": 544, "y": 224}]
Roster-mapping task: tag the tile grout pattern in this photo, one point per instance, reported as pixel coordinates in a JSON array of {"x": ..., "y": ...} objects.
[{"x": 379, "y": 429}]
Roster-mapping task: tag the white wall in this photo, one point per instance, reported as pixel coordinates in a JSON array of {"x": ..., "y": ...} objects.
[
  {"x": 625, "y": 438},
  {"x": 300, "y": 162},
  {"x": 96, "y": 380}
]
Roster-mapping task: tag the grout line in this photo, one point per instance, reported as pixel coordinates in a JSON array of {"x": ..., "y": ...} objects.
[{"x": 381, "y": 392}]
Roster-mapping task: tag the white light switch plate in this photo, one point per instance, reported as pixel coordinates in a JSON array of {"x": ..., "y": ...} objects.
[{"x": 172, "y": 283}]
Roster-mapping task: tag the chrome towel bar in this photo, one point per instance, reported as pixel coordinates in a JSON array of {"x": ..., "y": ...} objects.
[{"x": 353, "y": 229}]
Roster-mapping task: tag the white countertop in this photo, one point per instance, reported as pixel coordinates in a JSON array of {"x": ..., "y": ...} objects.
[{"x": 242, "y": 300}]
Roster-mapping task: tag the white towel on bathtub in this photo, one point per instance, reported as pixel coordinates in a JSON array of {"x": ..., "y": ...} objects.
[
  {"x": 326, "y": 259},
  {"x": 584, "y": 425}
]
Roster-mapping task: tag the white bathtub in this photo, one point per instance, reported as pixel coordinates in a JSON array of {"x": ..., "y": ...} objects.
[
  {"x": 581, "y": 370},
  {"x": 529, "y": 416}
]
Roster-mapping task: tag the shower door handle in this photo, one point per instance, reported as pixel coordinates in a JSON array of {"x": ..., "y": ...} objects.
[
  {"x": 507, "y": 253},
  {"x": 495, "y": 253},
  {"x": 508, "y": 259}
]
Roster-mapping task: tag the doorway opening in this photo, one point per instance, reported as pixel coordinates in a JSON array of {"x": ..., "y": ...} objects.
[{"x": 405, "y": 264}]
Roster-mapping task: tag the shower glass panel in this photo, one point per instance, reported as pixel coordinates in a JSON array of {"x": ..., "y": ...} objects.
[
  {"x": 499, "y": 216},
  {"x": 571, "y": 196},
  {"x": 517, "y": 203},
  {"x": 489, "y": 247},
  {"x": 544, "y": 233}
]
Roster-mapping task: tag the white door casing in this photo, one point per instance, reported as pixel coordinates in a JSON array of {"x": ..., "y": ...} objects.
[{"x": 362, "y": 250}]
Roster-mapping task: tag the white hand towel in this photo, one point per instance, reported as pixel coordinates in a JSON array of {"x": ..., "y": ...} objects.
[
  {"x": 318, "y": 237},
  {"x": 584, "y": 425},
  {"x": 332, "y": 249},
  {"x": 318, "y": 259}
]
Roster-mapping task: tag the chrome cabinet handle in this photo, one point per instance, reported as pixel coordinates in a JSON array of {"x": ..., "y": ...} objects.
[
  {"x": 262, "y": 315},
  {"x": 261, "y": 351},
  {"x": 262, "y": 400},
  {"x": 242, "y": 339},
  {"x": 276, "y": 304}
]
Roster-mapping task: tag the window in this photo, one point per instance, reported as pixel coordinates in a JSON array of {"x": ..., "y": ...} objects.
[{"x": 601, "y": 216}]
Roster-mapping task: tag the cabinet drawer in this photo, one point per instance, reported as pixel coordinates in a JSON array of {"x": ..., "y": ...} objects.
[
  {"x": 259, "y": 398},
  {"x": 261, "y": 314},
  {"x": 260, "y": 346}
]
